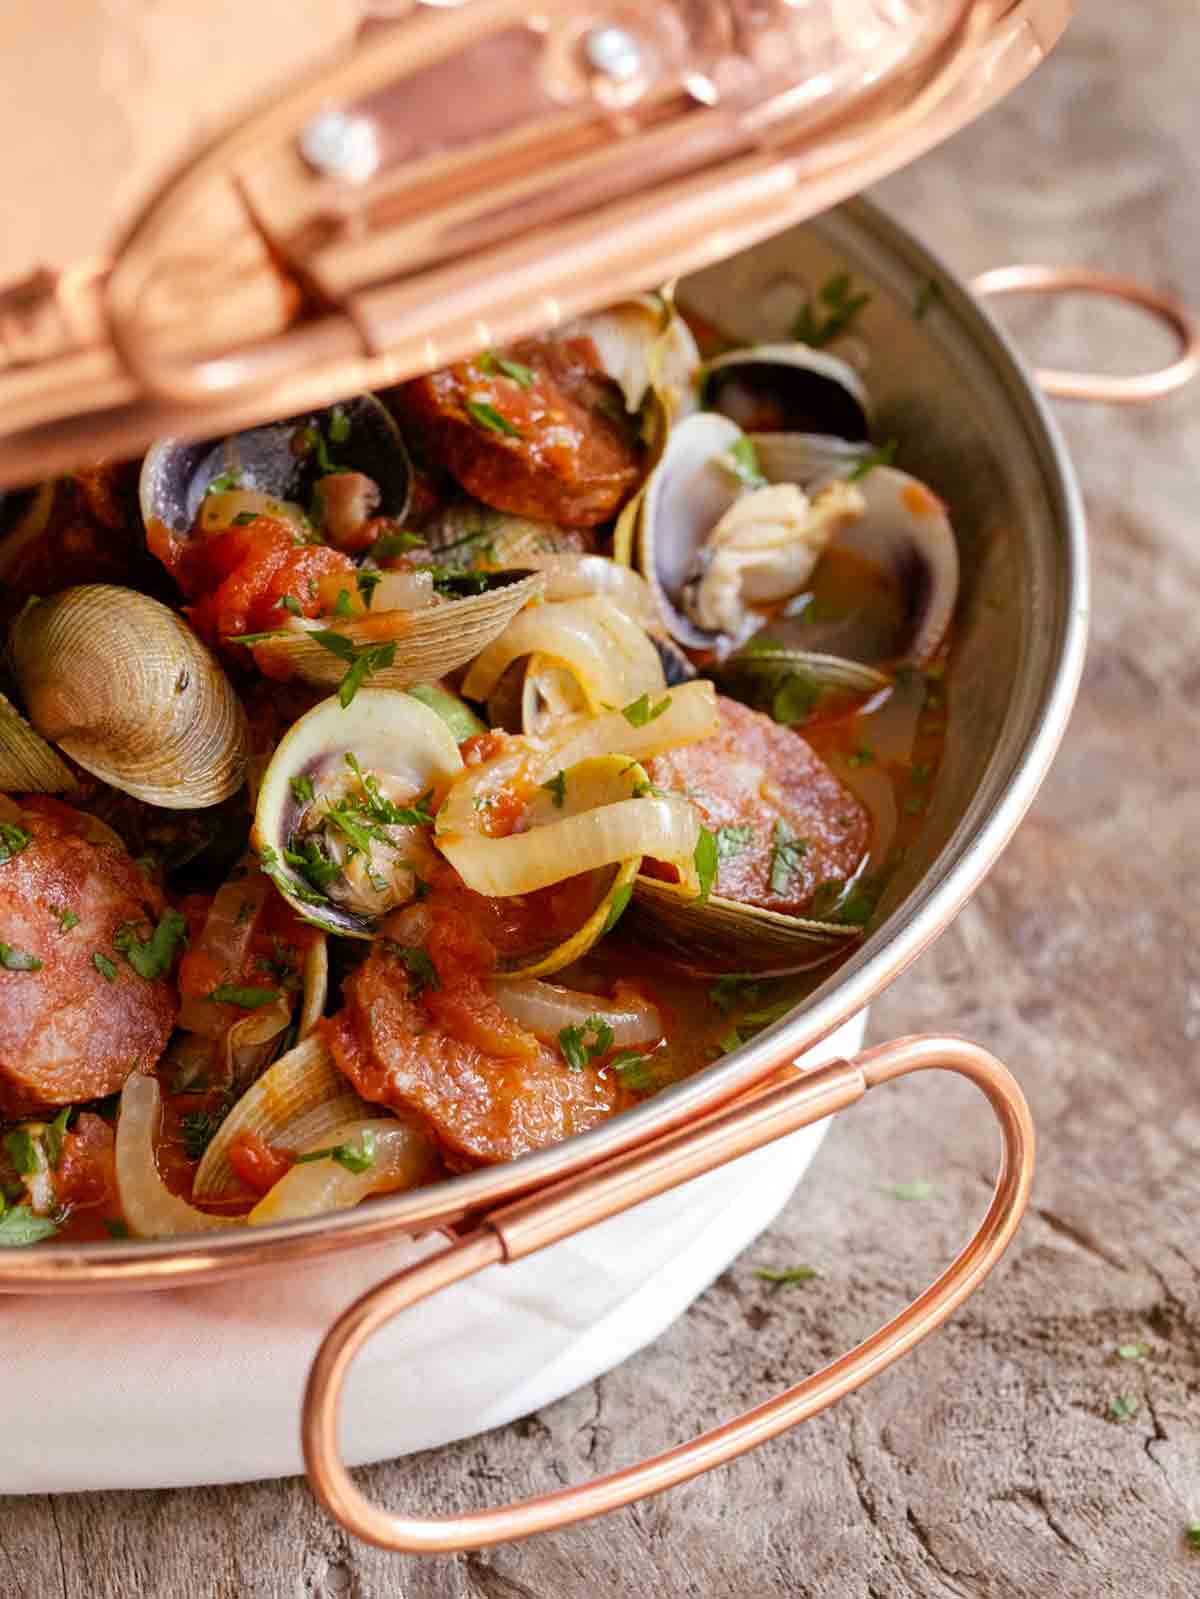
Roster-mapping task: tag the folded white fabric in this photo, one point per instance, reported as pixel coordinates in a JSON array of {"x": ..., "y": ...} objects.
[{"x": 203, "y": 1385}]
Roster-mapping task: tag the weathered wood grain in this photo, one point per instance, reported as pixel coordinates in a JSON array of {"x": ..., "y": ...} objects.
[{"x": 985, "y": 1464}]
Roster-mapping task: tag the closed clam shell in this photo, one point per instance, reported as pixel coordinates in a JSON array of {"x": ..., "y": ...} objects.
[
  {"x": 287, "y": 1093},
  {"x": 429, "y": 643},
  {"x": 28, "y": 765},
  {"x": 123, "y": 685},
  {"x": 719, "y": 935}
]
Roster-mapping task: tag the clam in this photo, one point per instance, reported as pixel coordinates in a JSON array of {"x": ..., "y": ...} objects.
[
  {"x": 468, "y": 534},
  {"x": 126, "y": 689},
  {"x": 719, "y": 555},
  {"x": 809, "y": 459},
  {"x": 345, "y": 807},
  {"x": 644, "y": 344},
  {"x": 435, "y": 632},
  {"x": 721, "y": 935},
  {"x": 788, "y": 388},
  {"x": 280, "y": 463},
  {"x": 28, "y": 765},
  {"x": 903, "y": 531}
]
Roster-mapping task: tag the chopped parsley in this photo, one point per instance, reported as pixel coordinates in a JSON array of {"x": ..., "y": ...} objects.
[
  {"x": 741, "y": 459},
  {"x": 105, "y": 967},
  {"x": 787, "y": 1276},
  {"x": 52, "y": 1138},
  {"x": 361, "y": 663},
  {"x": 339, "y": 426},
  {"x": 1123, "y": 1406},
  {"x": 635, "y": 1069},
  {"x": 244, "y": 997},
  {"x": 883, "y": 455},
  {"x": 244, "y": 518},
  {"x": 864, "y": 755},
  {"x": 733, "y": 990},
  {"x": 617, "y": 909},
  {"x": 13, "y": 840},
  {"x": 354, "y": 1159},
  {"x": 379, "y": 811},
  {"x": 732, "y": 841},
  {"x": 643, "y": 788},
  {"x": 224, "y": 483},
  {"x": 919, "y": 1188},
  {"x": 18, "y": 960},
  {"x": 398, "y": 542},
  {"x": 22, "y": 1149},
  {"x": 1134, "y": 1351},
  {"x": 640, "y": 711},
  {"x": 422, "y": 973},
  {"x": 67, "y": 918},
  {"x": 590, "y": 1041},
  {"x": 787, "y": 852},
  {"x": 198, "y": 1129},
  {"x": 152, "y": 957},
  {"x": 705, "y": 858},
  {"x": 486, "y": 416},
  {"x": 305, "y": 856},
  {"x": 343, "y": 606},
  {"x": 929, "y": 294},
  {"x": 257, "y": 638},
  {"x": 522, "y": 375},
  {"x": 20, "y": 1226},
  {"x": 557, "y": 787},
  {"x": 455, "y": 583},
  {"x": 302, "y": 790},
  {"x": 269, "y": 859},
  {"x": 794, "y": 699},
  {"x": 835, "y": 900},
  {"x": 832, "y": 313},
  {"x": 115, "y": 1227},
  {"x": 367, "y": 583}
]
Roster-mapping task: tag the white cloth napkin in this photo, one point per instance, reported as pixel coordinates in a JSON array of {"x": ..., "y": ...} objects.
[{"x": 203, "y": 1385}]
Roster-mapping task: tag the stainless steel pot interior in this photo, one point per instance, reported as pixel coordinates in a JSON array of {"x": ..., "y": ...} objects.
[{"x": 949, "y": 386}]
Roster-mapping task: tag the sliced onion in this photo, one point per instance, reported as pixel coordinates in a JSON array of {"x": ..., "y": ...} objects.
[
  {"x": 316, "y": 987},
  {"x": 691, "y": 715},
  {"x": 570, "y": 577},
  {"x": 395, "y": 591},
  {"x": 404, "y": 1156},
  {"x": 221, "y": 511},
  {"x": 228, "y": 930},
  {"x": 149, "y": 1207},
  {"x": 546, "y": 1008},
  {"x": 610, "y": 655}
]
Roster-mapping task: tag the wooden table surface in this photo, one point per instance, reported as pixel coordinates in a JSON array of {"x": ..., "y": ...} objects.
[{"x": 985, "y": 1464}]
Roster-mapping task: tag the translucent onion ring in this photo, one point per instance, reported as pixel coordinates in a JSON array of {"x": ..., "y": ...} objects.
[
  {"x": 404, "y": 1157},
  {"x": 149, "y": 1207},
  {"x": 610, "y": 655},
  {"x": 546, "y": 1008},
  {"x": 690, "y": 716}
]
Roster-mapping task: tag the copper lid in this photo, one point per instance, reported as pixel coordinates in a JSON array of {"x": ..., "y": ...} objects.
[{"x": 236, "y": 211}]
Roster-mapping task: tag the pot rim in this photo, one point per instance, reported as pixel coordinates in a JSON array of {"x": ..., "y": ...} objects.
[{"x": 959, "y": 868}]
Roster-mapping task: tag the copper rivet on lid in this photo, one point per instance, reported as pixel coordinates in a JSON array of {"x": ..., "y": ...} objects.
[
  {"x": 614, "y": 52},
  {"x": 338, "y": 145}
]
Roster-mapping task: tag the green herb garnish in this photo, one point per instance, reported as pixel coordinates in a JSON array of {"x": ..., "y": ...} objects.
[
  {"x": 399, "y": 542},
  {"x": 787, "y": 852},
  {"x": 787, "y": 1276},
  {"x": 245, "y": 998},
  {"x": 741, "y": 459},
  {"x": 640, "y": 711},
  {"x": 339, "y": 426},
  {"x": 198, "y": 1128},
  {"x": 20, "y": 1226},
  {"x": 705, "y": 858},
  {"x": 363, "y": 663},
  {"x": 271, "y": 865},
  {"x": 831, "y": 314},
  {"x": 732, "y": 841},
  {"x": 368, "y": 582},
  {"x": 635, "y": 1069},
  {"x": 354, "y": 1159},
  {"x": 152, "y": 957},
  {"x": 13, "y": 840},
  {"x": 489, "y": 362},
  {"x": 224, "y": 483},
  {"x": 1123, "y": 1406},
  {"x": 342, "y": 606},
  {"x": 105, "y": 967},
  {"x": 581, "y": 1045},
  {"x": 487, "y": 416},
  {"x": 733, "y": 990},
  {"x": 883, "y": 455},
  {"x": 67, "y": 918},
  {"x": 422, "y": 973},
  {"x": 17, "y": 960},
  {"x": 794, "y": 699},
  {"x": 302, "y": 789},
  {"x": 52, "y": 1138},
  {"x": 617, "y": 909},
  {"x": 23, "y": 1151},
  {"x": 557, "y": 787},
  {"x": 864, "y": 755},
  {"x": 244, "y": 518},
  {"x": 115, "y": 1227}
]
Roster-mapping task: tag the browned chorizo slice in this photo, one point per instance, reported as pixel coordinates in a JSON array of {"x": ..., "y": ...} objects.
[
  {"x": 783, "y": 821},
  {"x": 553, "y": 443},
  {"x": 75, "y": 1017},
  {"x": 438, "y": 1044}
]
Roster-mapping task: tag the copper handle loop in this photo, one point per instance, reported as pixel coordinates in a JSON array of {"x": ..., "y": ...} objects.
[
  {"x": 530, "y": 1224},
  {"x": 1141, "y": 387}
]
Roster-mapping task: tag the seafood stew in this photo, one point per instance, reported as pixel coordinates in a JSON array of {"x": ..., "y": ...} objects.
[{"x": 412, "y": 785}]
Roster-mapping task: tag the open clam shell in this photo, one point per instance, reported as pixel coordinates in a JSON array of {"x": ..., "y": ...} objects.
[
  {"x": 788, "y": 388},
  {"x": 358, "y": 436},
  {"x": 368, "y": 865},
  {"x": 28, "y": 765},
  {"x": 123, "y": 685},
  {"x": 469, "y": 535},
  {"x": 720, "y": 935},
  {"x": 425, "y": 644},
  {"x": 809, "y": 459}
]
